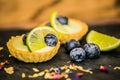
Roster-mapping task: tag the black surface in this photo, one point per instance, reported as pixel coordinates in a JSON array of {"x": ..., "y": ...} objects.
[{"x": 106, "y": 58}]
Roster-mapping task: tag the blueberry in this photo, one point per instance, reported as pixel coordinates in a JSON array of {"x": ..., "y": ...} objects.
[
  {"x": 92, "y": 50},
  {"x": 71, "y": 44},
  {"x": 51, "y": 40},
  {"x": 48, "y": 24},
  {"x": 63, "y": 20},
  {"x": 24, "y": 38},
  {"x": 77, "y": 54}
]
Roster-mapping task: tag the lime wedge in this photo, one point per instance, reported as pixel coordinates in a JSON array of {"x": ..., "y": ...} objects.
[
  {"x": 35, "y": 39},
  {"x": 105, "y": 42}
]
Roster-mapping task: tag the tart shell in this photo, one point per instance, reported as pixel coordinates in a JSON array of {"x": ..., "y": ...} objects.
[{"x": 31, "y": 57}]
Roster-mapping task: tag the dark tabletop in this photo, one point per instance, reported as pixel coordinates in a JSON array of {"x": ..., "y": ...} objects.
[{"x": 109, "y": 59}]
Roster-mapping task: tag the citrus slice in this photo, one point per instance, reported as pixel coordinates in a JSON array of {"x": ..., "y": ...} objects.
[
  {"x": 35, "y": 39},
  {"x": 75, "y": 29},
  {"x": 105, "y": 42}
]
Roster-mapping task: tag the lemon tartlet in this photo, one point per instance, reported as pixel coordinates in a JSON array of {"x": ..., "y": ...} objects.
[
  {"x": 73, "y": 29},
  {"x": 20, "y": 51}
]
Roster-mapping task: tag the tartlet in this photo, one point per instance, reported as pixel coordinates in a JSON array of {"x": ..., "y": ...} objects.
[
  {"x": 81, "y": 30},
  {"x": 20, "y": 51}
]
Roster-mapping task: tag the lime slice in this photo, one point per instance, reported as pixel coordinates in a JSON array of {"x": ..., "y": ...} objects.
[
  {"x": 35, "y": 39},
  {"x": 74, "y": 29},
  {"x": 71, "y": 27},
  {"x": 105, "y": 42}
]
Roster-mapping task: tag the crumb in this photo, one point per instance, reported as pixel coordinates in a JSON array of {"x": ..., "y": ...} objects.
[
  {"x": 37, "y": 74},
  {"x": 1, "y": 48},
  {"x": 9, "y": 70},
  {"x": 117, "y": 68},
  {"x": 55, "y": 73},
  {"x": 35, "y": 69},
  {"x": 10, "y": 55},
  {"x": 23, "y": 75},
  {"x": 68, "y": 61}
]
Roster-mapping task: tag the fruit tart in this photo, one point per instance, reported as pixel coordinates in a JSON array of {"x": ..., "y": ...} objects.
[
  {"x": 67, "y": 28},
  {"x": 39, "y": 45}
]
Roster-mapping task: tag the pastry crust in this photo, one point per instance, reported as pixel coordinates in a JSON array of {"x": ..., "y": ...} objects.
[{"x": 31, "y": 57}]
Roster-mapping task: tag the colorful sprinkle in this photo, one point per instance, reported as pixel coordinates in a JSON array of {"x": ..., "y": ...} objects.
[
  {"x": 91, "y": 69},
  {"x": 79, "y": 74},
  {"x": 76, "y": 78},
  {"x": 103, "y": 68},
  {"x": 1, "y": 67},
  {"x": 1, "y": 55},
  {"x": 7, "y": 62}
]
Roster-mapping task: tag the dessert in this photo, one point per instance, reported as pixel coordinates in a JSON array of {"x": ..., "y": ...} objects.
[
  {"x": 67, "y": 28},
  {"x": 39, "y": 46}
]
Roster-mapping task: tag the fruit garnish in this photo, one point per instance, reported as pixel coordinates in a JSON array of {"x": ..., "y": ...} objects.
[
  {"x": 67, "y": 28},
  {"x": 35, "y": 39},
  {"x": 72, "y": 44},
  {"x": 105, "y": 42},
  {"x": 24, "y": 38},
  {"x": 77, "y": 54},
  {"x": 63, "y": 20},
  {"x": 92, "y": 50},
  {"x": 55, "y": 23},
  {"x": 51, "y": 40}
]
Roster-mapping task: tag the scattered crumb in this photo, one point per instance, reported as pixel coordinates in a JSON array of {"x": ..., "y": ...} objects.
[
  {"x": 23, "y": 75},
  {"x": 117, "y": 68},
  {"x": 103, "y": 68},
  {"x": 37, "y": 74},
  {"x": 35, "y": 69},
  {"x": 3, "y": 63},
  {"x": 55, "y": 73},
  {"x": 9, "y": 70},
  {"x": 1, "y": 48},
  {"x": 68, "y": 61},
  {"x": 10, "y": 55}
]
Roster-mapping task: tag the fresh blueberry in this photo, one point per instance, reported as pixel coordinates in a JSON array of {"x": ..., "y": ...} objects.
[
  {"x": 51, "y": 40},
  {"x": 92, "y": 50},
  {"x": 72, "y": 44},
  {"x": 24, "y": 38},
  {"x": 77, "y": 54},
  {"x": 63, "y": 20},
  {"x": 48, "y": 24}
]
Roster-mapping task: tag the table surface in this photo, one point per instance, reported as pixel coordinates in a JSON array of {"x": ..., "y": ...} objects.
[{"x": 109, "y": 59}]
